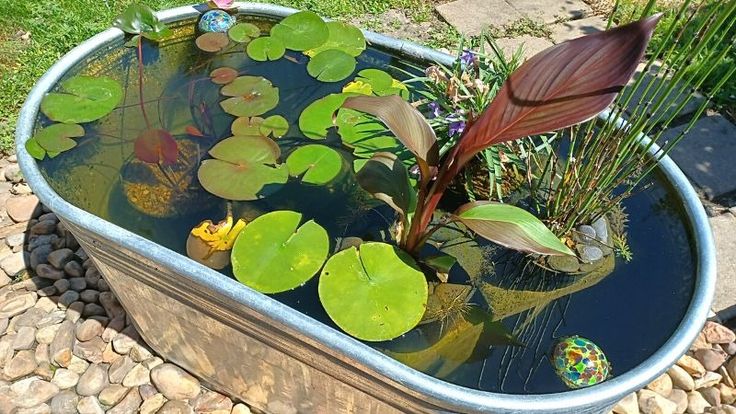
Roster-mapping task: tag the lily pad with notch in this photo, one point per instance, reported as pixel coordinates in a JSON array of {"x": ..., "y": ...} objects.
[
  {"x": 54, "y": 139},
  {"x": 156, "y": 146},
  {"x": 317, "y": 117},
  {"x": 266, "y": 48},
  {"x": 247, "y": 126},
  {"x": 244, "y": 32},
  {"x": 223, "y": 75},
  {"x": 341, "y": 36},
  {"x": 331, "y": 65},
  {"x": 82, "y": 99},
  {"x": 375, "y": 293},
  {"x": 243, "y": 168},
  {"x": 275, "y": 125},
  {"x": 275, "y": 254},
  {"x": 301, "y": 31},
  {"x": 316, "y": 164},
  {"x": 251, "y": 96},
  {"x": 212, "y": 42}
]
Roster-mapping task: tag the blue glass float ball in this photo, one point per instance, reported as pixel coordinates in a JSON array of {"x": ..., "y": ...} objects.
[
  {"x": 216, "y": 21},
  {"x": 579, "y": 362}
]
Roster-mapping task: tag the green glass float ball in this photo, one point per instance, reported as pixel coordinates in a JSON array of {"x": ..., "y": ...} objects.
[
  {"x": 579, "y": 362},
  {"x": 216, "y": 21}
]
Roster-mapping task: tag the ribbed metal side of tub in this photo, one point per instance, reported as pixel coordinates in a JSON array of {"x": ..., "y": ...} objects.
[{"x": 254, "y": 348}]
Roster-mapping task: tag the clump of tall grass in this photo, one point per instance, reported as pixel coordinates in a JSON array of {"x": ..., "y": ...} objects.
[{"x": 604, "y": 160}]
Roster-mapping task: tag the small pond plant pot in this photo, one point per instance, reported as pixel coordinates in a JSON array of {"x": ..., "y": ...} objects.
[{"x": 254, "y": 348}]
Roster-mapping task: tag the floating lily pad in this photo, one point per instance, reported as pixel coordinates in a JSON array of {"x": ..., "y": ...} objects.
[
  {"x": 274, "y": 254},
  {"x": 365, "y": 134},
  {"x": 275, "y": 125},
  {"x": 317, "y": 118},
  {"x": 382, "y": 83},
  {"x": 242, "y": 168},
  {"x": 35, "y": 150},
  {"x": 251, "y": 96},
  {"x": 378, "y": 79},
  {"x": 331, "y": 66},
  {"x": 318, "y": 164},
  {"x": 243, "y": 32},
  {"x": 57, "y": 138},
  {"x": 223, "y": 75},
  {"x": 375, "y": 293},
  {"x": 341, "y": 36},
  {"x": 247, "y": 126},
  {"x": 212, "y": 42},
  {"x": 301, "y": 31},
  {"x": 265, "y": 48},
  {"x": 156, "y": 146},
  {"x": 82, "y": 99}
]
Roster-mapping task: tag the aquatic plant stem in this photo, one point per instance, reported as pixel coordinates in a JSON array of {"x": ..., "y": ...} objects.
[{"x": 140, "y": 82}]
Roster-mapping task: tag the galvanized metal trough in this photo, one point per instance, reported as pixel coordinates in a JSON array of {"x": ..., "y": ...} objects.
[{"x": 254, "y": 348}]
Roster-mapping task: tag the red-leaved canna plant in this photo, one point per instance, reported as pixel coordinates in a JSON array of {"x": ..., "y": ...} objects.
[{"x": 557, "y": 88}]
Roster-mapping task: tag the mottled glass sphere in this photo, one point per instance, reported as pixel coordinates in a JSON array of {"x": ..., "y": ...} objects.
[
  {"x": 579, "y": 362},
  {"x": 216, "y": 21}
]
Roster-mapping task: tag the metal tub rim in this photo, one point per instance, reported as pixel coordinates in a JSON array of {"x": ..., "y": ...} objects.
[{"x": 440, "y": 393}]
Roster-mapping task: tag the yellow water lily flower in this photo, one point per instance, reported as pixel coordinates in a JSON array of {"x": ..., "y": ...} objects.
[
  {"x": 210, "y": 244},
  {"x": 358, "y": 87}
]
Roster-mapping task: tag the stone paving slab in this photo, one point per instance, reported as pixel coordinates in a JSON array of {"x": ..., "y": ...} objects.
[
  {"x": 674, "y": 100},
  {"x": 530, "y": 45},
  {"x": 724, "y": 227},
  {"x": 706, "y": 154},
  {"x": 471, "y": 17},
  {"x": 552, "y": 11},
  {"x": 576, "y": 28}
]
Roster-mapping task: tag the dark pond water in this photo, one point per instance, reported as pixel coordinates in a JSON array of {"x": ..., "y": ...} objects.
[{"x": 628, "y": 313}]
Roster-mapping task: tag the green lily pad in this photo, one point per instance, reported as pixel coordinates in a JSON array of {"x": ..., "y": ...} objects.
[
  {"x": 82, "y": 99},
  {"x": 375, "y": 293},
  {"x": 251, "y": 96},
  {"x": 57, "y": 137},
  {"x": 382, "y": 83},
  {"x": 242, "y": 168},
  {"x": 378, "y": 79},
  {"x": 275, "y": 125},
  {"x": 243, "y": 32},
  {"x": 341, "y": 36},
  {"x": 318, "y": 163},
  {"x": 35, "y": 150},
  {"x": 141, "y": 19},
  {"x": 316, "y": 119},
  {"x": 331, "y": 66},
  {"x": 301, "y": 31},
  {"x": 247, "y": 126},
  {"x": 364, "y": 134},
  {"x": 265, "y": 48},
  {"x": 274, "y": 254}
]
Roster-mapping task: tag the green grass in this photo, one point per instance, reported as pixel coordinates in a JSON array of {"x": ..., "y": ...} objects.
[{"x": 56, "y": 26}]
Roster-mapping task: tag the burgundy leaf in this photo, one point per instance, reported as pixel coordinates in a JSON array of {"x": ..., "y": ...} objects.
[
  {"x": 193, "y": 131},
  {"x": 561, "y": 86},
  {"x": 406, "y": 123},
  {"x": 156, "y": 145}
]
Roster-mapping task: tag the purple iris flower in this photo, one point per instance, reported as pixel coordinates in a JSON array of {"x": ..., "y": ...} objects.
[
  {"x": 467, "y": 57},
  {"x": 435, "y": 109},
  {"x": 457, "y": 127}
]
